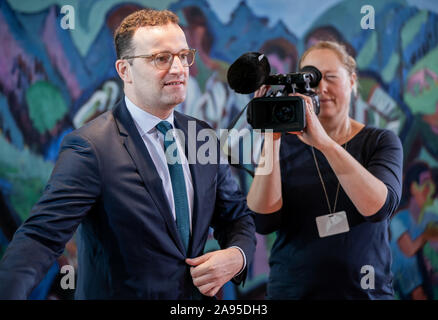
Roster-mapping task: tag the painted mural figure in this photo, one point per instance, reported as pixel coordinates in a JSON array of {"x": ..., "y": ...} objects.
[
  {"x": 54, "y": 80},
  {"x": 330, "y": 196},
  {"x": 143, "y": 221},
  {"x": 411, "y": 229}
]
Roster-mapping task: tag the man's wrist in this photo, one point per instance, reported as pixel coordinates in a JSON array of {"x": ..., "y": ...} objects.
[{"x": 244, "y": 260}]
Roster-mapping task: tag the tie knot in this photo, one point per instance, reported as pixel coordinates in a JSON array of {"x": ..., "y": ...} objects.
[{"x": 163, "y": 127}]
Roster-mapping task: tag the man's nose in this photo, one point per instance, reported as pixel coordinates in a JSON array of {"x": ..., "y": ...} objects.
[{"x": 177, "y": 65}]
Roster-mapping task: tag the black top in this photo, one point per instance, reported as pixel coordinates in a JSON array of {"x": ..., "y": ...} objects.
[{"x": 305, "y": 266}]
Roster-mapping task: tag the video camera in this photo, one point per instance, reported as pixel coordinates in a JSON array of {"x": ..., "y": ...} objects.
[{"x": 278, "y": 111}]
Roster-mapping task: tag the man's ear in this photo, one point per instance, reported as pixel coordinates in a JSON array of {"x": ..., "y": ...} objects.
[{"x": 124, "y": 70}]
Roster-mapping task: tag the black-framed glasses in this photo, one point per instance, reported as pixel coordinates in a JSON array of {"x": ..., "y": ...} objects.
[{"x": 164, "y": 60}]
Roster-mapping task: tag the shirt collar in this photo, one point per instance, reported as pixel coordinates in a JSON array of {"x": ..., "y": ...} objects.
[{"x": 144, "y": 120}]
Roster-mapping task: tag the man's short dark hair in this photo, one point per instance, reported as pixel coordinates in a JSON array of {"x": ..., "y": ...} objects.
[{"x": 142, "y": 18}]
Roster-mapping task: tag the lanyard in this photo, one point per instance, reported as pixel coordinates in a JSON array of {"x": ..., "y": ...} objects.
[{"x": 323, "y": 185}]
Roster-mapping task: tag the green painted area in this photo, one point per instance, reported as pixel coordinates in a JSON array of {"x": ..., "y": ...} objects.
[
  {"x": 203, "y": 73},
  {"x": 429, "y": 61},
  {"x": 368, "y": 52},
  {"x": 412, "y": 27},
  {"x": 335, "y": 16},
  {"x": 46, "y": 105},
  {"x": 365, "y": 86},
  {"x": 25, "y": 195},
  {"x": 182, "y": 18},
  {"x": 432, "y": 255},
  {"x": 393, "y": 119},
  {"x": 390, "y": 69},
  {"x": 89, "y": 15},
  {"x": 424, "y": 99},
  {"x": 429, "y": 159},
  {"x": 252, "y": 283},
  {"x": 26, "y": 172},
  {"x": 211, "y": 245}
]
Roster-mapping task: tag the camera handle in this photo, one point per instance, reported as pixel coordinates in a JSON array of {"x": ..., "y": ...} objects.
[
  {"x": 288, "y": 89},
  {"x": 292, "y": 87}
]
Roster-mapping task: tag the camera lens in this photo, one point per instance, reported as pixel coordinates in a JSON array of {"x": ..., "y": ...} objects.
[{"x": 283, "y": 113}]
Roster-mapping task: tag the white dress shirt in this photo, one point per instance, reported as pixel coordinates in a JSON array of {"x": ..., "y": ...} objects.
[{"x": 154, "y": 141}]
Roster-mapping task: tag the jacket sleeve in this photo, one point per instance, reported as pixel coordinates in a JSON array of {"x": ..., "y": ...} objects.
[
  {"x": 233, "y": 222},
  {"x": 71, "y": 191}
]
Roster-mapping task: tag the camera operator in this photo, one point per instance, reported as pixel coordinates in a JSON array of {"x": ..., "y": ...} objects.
[{"x": 330, "y": 195}]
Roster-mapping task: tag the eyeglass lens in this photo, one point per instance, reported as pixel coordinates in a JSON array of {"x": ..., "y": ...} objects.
[{"x": 164, "y": 60}]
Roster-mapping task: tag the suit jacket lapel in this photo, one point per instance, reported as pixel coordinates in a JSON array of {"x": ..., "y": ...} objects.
[{"x": 136, "y": 148}]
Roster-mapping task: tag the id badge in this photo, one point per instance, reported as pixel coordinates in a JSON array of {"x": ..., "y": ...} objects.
[{"x": 331, "y": 224}]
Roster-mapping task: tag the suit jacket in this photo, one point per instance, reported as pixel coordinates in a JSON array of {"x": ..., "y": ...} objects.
[{"x": 128, "y": 244}]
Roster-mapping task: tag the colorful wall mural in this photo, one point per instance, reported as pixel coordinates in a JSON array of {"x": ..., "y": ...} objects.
[{"x": 56, "y": 74}]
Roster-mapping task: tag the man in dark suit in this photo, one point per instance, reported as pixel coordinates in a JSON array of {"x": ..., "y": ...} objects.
[{"x": 144, "y": 220}]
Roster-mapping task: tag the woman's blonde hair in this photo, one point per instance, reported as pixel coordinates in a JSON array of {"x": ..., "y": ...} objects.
[{"x": 347, "y": 60}]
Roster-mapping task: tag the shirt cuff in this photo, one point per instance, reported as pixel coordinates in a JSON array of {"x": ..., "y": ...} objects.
[{"x": 244, "y": 260}]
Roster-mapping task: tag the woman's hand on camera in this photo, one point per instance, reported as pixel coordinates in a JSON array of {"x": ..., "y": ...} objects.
[
  {"x": 264, "y": 195},
  {"x": 261, "y": 92},
  {"x": 314, "y": 133}
]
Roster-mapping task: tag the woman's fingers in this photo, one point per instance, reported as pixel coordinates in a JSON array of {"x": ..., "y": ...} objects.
[{"x": 261, "y": 92}]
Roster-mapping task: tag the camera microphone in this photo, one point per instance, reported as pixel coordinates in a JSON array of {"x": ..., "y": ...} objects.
[
  {"x": 280, "y": 111},
  {"x": 248, "y": 72},
  {"x": 252, "y": 69}
]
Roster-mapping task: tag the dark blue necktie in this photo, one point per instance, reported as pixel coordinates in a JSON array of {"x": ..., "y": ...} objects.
[{"x": 178, "y": 185}]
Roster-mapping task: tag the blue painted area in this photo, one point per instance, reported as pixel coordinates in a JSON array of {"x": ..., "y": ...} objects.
[
  {"x": 8, "y": 124},
  {"x": 29, "y": 42},
  {"x": 3, "y": 240},
  {"x": 5, "y": 186},
  {"x": 42, "y": 290},
  {"x": 32, "y": 23},
  {"x": 101, "y": 57},
  {"x": 229, "y": 291},
  {"x": 53, "y": 149},
  {"x": 247, "y": 29},
  {"x": 245, "y": 32}
]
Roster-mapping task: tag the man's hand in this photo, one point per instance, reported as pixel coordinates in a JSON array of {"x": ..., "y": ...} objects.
[{"x": 213, "y": 269}]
